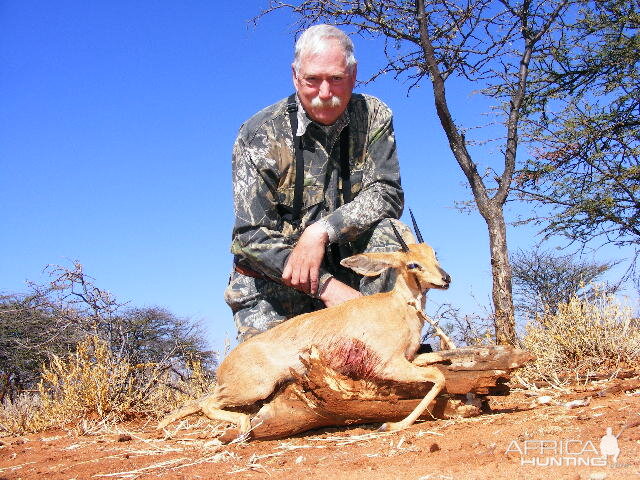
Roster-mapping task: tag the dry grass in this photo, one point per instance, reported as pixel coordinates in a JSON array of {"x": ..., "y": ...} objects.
[
  {"x": 582, "y": 338},
  {"x": 93, "y": 388},
  {"x": 16, "y": 416}
]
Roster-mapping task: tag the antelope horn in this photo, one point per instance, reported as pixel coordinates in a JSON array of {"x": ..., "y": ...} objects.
[
  {"x": 405, "y": 248},
  {"x": 415, "y": 228}
]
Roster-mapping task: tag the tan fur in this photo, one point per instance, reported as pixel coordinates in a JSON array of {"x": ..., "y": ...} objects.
[{"x": 387, "y": 326}]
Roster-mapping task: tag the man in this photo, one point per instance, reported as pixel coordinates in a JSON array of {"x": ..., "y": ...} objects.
[{"x": 315, "y": 179}]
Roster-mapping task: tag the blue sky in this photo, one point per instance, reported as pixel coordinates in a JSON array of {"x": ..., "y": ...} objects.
[{"x": 116, "y": 126}]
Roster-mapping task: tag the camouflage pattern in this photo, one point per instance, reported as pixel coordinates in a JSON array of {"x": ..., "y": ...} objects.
[
  {"x": 263, "y": 187},
  {"x": 259, "y": 304}
]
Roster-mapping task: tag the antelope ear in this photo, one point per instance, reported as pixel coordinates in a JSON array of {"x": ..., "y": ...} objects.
[{"x": 371, "y": 264}]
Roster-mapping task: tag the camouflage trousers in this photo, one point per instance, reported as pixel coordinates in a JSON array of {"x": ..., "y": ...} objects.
[{"x": 260, "y": 303}]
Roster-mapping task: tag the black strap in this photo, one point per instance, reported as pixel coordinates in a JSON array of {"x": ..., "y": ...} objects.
[
  {"x": 345, "y": 173},
  {"x": 292, "y": 108}
]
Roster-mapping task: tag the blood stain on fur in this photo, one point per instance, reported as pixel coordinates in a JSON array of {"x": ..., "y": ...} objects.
[{"x": 352, "y": 358}]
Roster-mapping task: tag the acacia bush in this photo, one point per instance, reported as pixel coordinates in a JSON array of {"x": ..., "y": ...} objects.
[
  {"x": 582, "y": 337},
  {"x": 52, "y": 319},
  {"x": 92, "y": 384}
]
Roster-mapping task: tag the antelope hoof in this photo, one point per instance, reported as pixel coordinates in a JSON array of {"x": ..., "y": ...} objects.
[
  {"x": 239, "y": 434},
  {"x": 391, "y": 427},
  {"x": 234, "y": 435},
  {"x": 229, "y": 435}
]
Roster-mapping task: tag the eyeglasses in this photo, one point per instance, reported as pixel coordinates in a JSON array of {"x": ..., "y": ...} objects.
[{"x": 314, "y": 81}]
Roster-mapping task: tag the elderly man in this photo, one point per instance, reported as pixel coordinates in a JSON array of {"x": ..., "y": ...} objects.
[{"x": 315, "y": 179}]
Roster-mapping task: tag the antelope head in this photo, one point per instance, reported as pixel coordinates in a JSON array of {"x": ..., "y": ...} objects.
[{"x": 416, "y": 264}]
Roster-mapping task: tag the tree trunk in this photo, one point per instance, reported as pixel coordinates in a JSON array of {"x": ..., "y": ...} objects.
[
  {"x": 491, "y": 208},
  {"x": 504, "y": 320}
]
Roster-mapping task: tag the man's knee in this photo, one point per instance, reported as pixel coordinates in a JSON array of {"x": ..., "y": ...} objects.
[
  {"x": 261, "y": 304},
  {"x": 253, "y": 320}
]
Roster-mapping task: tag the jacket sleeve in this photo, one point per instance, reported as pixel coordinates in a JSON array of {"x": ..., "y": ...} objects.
[
  {"x": 258, "y": 237},
  {"x": 381, "y": 195}
]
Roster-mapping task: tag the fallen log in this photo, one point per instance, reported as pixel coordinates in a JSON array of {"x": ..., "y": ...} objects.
[{"x": 322, "y": 397}]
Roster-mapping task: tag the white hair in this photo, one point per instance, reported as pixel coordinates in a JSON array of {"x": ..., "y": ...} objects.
[
  {"x": 333, "y": 102},
  {"x": 313, "y": 39}
]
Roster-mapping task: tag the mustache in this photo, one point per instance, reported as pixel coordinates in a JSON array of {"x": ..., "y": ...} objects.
[{"x": 332, "y": 102}]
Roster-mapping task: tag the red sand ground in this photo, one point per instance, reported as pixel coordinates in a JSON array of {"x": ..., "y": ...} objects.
[{"x": 518, "y": 439}]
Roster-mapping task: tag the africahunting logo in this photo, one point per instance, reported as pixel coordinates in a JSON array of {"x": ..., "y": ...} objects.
[{"x": 551, "y": 453}]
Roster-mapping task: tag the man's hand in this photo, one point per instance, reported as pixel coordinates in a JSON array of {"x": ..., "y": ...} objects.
[
  {"x": 303, "y": 265},
  {"x": 335, "y": 292}
]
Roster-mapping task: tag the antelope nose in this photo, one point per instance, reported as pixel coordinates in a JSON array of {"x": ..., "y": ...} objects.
[{"x": 446, "y": 278}]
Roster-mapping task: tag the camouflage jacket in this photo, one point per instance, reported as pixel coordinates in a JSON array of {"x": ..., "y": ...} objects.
[{"x": 263, "y": 173}]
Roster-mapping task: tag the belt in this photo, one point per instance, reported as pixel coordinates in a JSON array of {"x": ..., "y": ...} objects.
[{"x": 248, "y": 272}]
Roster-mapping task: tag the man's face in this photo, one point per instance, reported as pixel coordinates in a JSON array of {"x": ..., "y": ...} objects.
[{"x": 324, "y": 83}]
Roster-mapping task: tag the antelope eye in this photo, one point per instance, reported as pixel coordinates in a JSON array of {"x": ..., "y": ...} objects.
[{"x": 411, "y": 266}]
